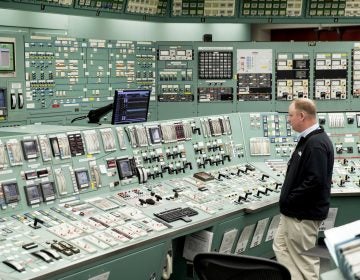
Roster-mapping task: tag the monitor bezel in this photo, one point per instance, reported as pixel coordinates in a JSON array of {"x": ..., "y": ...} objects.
[
  {"x": 79, "y": 182},
  {"x": 151, "y": 130},
  {"x": 45, "y": 195},
  {"x": 122, "y": 174},
  {"x": 31, "y": 200},
  {"x": 12, "y": 66},
  {"x": 27, "y": 153},
  {"x": 11, "y": 199},
  {"x": 117, "y": 96}
]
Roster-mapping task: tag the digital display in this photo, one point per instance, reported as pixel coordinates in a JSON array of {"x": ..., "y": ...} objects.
[
  {"x": 155, "y": 135},
  {"x": 82, "y": 178},
  {"x": 76, "y": 144},
  {"x": 42, "y": 173},
  {"x": 300, "y": 64},
  {"x": 30, "y": 175},
  {"x": 130, "y": 106},
  {"x": 215, "y": 65},
  {"x": 111, "y": 163},
  {"x": 301, "y": 74},
  {"x": 7, "y": 57},
  {"x": 30, "y": 149},
  {"x": 11, "y": 192},
  {"x": 181, "y": 53},
  {"x": 124, "y": 168},
  {"x": 48, "y": 191},
  {"x": 33, "y": 194},
  {"x": 180, "y": 133}
]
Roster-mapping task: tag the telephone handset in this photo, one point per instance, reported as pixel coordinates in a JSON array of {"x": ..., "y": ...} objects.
[{"x": 13, "y": 101}]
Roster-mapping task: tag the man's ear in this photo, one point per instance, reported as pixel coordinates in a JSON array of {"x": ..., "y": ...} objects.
[{"x": 302, "y": 115}]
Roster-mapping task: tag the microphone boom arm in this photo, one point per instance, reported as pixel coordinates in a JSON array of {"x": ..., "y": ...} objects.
[{"x": 96, "y": 114}]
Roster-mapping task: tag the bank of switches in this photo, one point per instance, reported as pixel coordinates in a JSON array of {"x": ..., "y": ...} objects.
[{"x": 72, "y": 230}]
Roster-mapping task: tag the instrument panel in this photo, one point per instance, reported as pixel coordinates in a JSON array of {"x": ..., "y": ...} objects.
[{"x": 72, "y": 194}]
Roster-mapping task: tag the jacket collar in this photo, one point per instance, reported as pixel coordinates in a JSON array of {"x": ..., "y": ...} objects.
[{"x": 302, "y": 140}]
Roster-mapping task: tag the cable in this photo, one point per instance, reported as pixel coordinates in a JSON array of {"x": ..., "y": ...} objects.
[
  {"x": 78, "y": 119},
  {"x": 95, "y": 115}
]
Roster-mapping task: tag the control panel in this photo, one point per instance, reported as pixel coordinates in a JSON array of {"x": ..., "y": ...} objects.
[
  {"x": 59, "y": 79},
  {"x": 70, "y": 76},
  {"x": 267, "y": 11},
  {"x": 175, "y": 78},
  {"x": 72, "y": 194},
  {"x": 292, "y": 73}
]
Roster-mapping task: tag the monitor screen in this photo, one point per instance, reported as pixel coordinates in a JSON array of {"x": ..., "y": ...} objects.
[
  {"x": 7, "y": 57},
  {"x": 124, "y": 168},
  {"x": 33, "y": 194},
  {"x": 130, "y": 106},
  {"x": 48, "y": 191},
  {"x": 30, "y": 148},
  {"x": 155, "y": 134},
  {"x": 82, "y": 178},
  {"x": 11, "y": 192}
]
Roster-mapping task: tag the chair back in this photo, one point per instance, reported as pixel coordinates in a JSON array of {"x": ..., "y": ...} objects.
[{"x": 216, "y": 266}]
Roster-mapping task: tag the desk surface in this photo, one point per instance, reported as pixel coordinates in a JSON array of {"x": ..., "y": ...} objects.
[{"x": 332, "y": 275}]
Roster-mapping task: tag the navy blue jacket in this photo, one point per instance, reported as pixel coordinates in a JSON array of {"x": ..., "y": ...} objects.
[{"x": 305, "y": 193}]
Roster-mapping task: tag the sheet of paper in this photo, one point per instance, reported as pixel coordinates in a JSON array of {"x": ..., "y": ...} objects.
[
  {"x": 244, "y": 239},
  {"x": 329, "y": 222},
  {"x": 272, "y": 228},
  {"x": 254, "y": 61},
  {"x": 197, "y": 242},
  {"x": 259, "y": 232},
  {"x": 228, "y": 241},
  {"x": 102, "y": 276}
]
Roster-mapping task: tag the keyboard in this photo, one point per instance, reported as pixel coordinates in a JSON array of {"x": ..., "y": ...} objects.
[{"x": 175, "y": 214}]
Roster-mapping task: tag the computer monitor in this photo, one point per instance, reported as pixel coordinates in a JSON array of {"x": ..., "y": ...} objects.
[
  {"x": 7, "y": 57},
  {"x": 130, "y": 106}
]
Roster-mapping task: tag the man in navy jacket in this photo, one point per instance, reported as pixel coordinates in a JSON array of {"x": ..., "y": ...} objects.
[{"x": 305, "y": 194}]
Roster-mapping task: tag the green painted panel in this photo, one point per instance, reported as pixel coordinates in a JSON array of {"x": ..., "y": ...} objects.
[{"x": 144, "y": 264}]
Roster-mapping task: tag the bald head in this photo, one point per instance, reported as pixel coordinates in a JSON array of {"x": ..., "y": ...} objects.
[{"x": 302, "y": 114}]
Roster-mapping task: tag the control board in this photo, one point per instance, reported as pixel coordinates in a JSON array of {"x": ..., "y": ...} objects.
[
  {"x": 70, "y": 195},
  {"x": 253, "y": 11},
  {"x": 68, "y": 75},
  {"x": 59, "y": 80}
]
